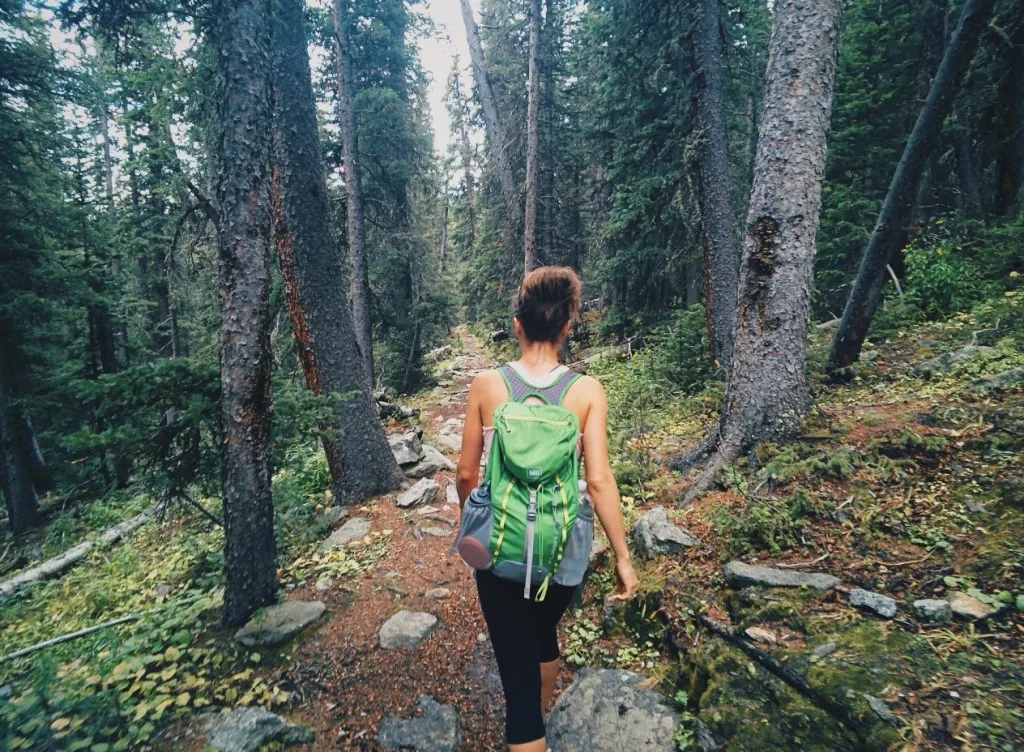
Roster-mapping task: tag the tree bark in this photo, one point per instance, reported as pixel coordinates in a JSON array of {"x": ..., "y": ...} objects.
[
  {"x": 530, "y": 256},
  {"x": 242, "y": 30},
  {"x": 443, "y": 252},
  {"x": 493, "y": 128},
  {"x": 1010, "y": 156},
  {"x": 718, "y": 227},
  {"x": 766, "y": 393},
  {"x": 890, "y": 231},
  {"x": 16, "y": 477},
  {"x": 359, "y": 458},
  {"x": 362, "y": 314},
  {"x": 969, "y": 199}
]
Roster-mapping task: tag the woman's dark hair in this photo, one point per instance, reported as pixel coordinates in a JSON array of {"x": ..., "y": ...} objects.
[{"x": 548, "y": 299}]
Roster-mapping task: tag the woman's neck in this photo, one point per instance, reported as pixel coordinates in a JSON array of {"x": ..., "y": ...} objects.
[{"x": 538, "y": 357}]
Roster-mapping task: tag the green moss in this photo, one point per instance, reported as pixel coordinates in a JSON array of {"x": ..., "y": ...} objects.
[{"x": 787, "y": 606}]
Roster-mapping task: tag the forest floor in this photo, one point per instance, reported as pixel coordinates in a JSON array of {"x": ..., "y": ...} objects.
[{"x": 904, "y": 483}]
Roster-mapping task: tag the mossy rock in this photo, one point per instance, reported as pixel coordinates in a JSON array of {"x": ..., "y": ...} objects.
[
  {"x": 753, "y": 606},
  {"x": 753, "y": 710}
]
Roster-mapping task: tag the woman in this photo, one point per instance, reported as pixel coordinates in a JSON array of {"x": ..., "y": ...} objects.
[{"x": 523, "y": 632}]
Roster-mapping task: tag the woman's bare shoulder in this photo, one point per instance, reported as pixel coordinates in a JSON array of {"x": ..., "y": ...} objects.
[
  {"x": 486, "y": 381},
  {"x": 589, "y": 386}
]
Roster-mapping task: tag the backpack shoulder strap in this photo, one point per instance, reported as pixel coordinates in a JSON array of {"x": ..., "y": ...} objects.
[
  {"x": 519, "y": 389},
  {"x": 555, "y": 394}
]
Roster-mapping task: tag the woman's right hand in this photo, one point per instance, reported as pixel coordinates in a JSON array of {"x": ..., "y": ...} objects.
[{"x": 626, "y": 582}]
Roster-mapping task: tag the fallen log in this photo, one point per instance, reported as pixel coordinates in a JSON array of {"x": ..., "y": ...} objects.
[
  {"x": 58, "y": 564},
  {"x": 71, "y": 636}
]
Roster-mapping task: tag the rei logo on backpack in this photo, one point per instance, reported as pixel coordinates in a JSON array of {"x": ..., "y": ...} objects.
[{"x": 528, "y": 522}]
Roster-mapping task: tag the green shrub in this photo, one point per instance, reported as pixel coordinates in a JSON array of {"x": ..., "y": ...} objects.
[{"x": 682, "y": 355}]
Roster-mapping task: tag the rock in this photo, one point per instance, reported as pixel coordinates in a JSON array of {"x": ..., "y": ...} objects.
[
  {"x": 739, "y": 574},
  {"x": 760, "y": 634},
  {"x": 607, "y": 710},
  {"x": 452, "y": 425},
  {"x": 451, "y": 494},
  {"x": 451, "y": 441},
  {"x": 406, "y": 629},
  {"x": 407, "y": 447},
  {"x": 324, "y": 584},
  {"x": 499, "y": 336},
  {"x": 599, "y": 547},
  {"x": 706, "y": 741},
  {"x": 431, "y": 462},
  {"x": 408, "y": 413},
  {"x": 481, "y": 638},
  {"x": 163, "y": 590},
  {"x": 968, "y": 607},
  {"x": 881, "y": 709},
  {"x": 948, "y": 361},
  {"x": 275, "y": 624},
  {"x": 439, "y": 353},
  {"x": 438, "y": 593},
  {"x": 423, "y": 492},
  {"x": 1005, "y": 380},
  {"x": 333, "y": 516},
  {"x": 353, "y": 530},
  {"x": 654, "y": 535},
  {"x": 424, "y": 511},
  {"x": 436, "y": 729},
  {"x": 436, "y": 532},
  {"x": 249, "y": 729},
  {"x": 5, "y": 692},
  {"x": 933, "y": 610},
  {"x": 824, "y": 651},
  {"x": 882, "y": 605}
]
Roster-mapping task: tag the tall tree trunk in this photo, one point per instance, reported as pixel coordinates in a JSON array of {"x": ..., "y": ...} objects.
[
  {"x": 766, "y": 394},
  {"x": 443, "y": 253},
  {"x": 121, "y": 352},
  {"x": 362, "y": 313},
  {"x": 16, "y": 477},
  {"x": 242, "y": 30},
  {"x": 530, "y": 256},
  {"x": 969, "y": 199},
  {"x": 469, "y": 184},
  {"x": 1010, "y": 157},
  {"x": 359, "y": 458},
  {"x": 718, "y": 226},
  {"x": 550, "y": 47},
  {"x": 890, "y": 230},
  {"x": 493, "y": 127}
]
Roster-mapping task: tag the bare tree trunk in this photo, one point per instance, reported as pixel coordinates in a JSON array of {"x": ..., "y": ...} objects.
[
  {"x": 362, "y": 314},
  {"x": 969, "y": 200},
  {"x": 16, "y": 477},
  {"x": 443, "y": 252},
  {"x": 469, "y": 182},
  {"x": 530, "y": 257},
  {"x": 359, "y": 458},
  {"x": 718, "y": 226},
  {"x": 242, "y": 31},
  {"x": 766, "y": 394},
  {"x": 890, "y": 230},
  {"x": 551, "y": 36},
  {"x": 1010, "y": 158},
  {"x": 492, "y": 124}
]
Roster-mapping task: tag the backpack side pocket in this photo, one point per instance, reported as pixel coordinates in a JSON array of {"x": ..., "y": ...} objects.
[
  {"x": 576, "y": 557},
  {"x": 473, "y": 543}
]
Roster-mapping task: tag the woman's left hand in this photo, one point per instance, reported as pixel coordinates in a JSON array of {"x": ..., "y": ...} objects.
[{"x": 626, "y": 581}]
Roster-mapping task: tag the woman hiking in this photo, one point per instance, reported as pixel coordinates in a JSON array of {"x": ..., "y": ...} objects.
[{"x": 528, "y": 526}]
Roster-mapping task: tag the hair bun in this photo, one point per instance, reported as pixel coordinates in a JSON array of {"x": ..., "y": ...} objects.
[{"x": 548, "y": 300}]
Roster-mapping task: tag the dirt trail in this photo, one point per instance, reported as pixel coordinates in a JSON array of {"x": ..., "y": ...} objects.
[{"x": 346, "y": 682}]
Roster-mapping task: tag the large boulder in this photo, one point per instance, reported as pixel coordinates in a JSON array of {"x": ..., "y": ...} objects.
[
  {"x": 431, "y": 461},
  {"x": 249, "y": 729},
  {"x": 451, "y": 441},
  {"x": 424, "y": 491},
  {"x": 407, "y": 629},
  {"x": 608, "y": 710},
  {"x": 407, "y": 447},
  {"x": 738, "y": 574},
  {"x": 949, "y": 361},
  {"x": 435, "y": 730},
  {"x": 276, "y": 624},
  {"x": 354, "y": 529},
  {"x": 654, "y": 535},
  {"x": 1005, "y": 380}
]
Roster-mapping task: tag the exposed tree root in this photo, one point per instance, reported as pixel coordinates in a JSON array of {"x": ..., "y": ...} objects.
[{"x": 71, "y": 636}]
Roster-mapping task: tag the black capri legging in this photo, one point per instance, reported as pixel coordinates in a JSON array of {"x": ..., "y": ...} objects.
[{"x": 523, "y": 633}]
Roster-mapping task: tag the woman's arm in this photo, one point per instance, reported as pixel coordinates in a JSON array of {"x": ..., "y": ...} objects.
[
  {"x": 604, "y": 492},
  {"x": 467, "y": 474}
]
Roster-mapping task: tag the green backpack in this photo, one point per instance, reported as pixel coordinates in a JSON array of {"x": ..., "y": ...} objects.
[{"x": 528, "y": 522}]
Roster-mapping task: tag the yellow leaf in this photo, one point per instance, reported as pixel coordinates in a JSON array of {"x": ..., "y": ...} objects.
[
  {"x": 172, "y": 653},
  {"x": 182, "y": 699},
  {"x": 1014, "y": 275},
  {"x": 60, "y": 723}
]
